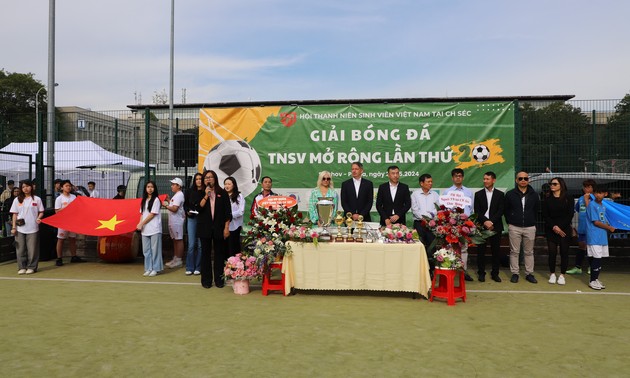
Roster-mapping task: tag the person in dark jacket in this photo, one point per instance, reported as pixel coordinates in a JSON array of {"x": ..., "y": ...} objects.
[
  {"x": 520, "y": 208},
  {"x": 193, "y": 197},
  {"x": 558, "y": 214},
  {"x": 213, "y": 228},
  {"x": 488, "y": 206}
]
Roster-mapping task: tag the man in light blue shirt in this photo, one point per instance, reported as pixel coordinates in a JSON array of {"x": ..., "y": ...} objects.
[{"x": 423, "y": 203}]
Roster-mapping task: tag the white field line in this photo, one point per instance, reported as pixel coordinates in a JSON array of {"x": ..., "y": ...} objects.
[{"x": 577, "y": 292}]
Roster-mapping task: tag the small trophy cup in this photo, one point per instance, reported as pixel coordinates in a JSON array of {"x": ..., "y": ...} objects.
[
  {"x": 339, "y": 222},
  {"x": 359, "y": 239},
  {"x": 349, "y": 222},
  {"x": 325, "y": 209}
]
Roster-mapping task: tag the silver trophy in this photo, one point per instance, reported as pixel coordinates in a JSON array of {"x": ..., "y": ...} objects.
[{"x": 325, "y": 210}]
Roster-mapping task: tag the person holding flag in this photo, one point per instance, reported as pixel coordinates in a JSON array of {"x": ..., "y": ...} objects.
[{"x": 65, "y": 198}]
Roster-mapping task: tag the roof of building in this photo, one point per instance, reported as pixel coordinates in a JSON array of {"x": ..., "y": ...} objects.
[{"x": 237, "y": 104}]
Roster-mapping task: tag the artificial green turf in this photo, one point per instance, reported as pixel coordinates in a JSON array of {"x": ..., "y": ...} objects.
[{"x": 61, "y": 328}]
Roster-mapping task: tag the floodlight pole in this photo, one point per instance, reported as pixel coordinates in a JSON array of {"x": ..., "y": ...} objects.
[
  {"x": 51, "y": 102},
  {"x": 170, "y": 105}
]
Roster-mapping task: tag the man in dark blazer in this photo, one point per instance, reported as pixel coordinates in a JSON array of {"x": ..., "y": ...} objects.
[
  {"x": 213, "y": 229},
  {"x": 357, "y": 194},
  {"x": 393, "y": 199},
  {"x": 490, "y": 216}
]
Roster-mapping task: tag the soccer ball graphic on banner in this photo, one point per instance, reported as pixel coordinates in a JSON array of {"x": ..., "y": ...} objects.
[
  {"x": 238, "y": 159},
  {"x": 480, "y": 153}
]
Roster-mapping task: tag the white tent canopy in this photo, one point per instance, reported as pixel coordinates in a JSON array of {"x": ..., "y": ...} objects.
[{"x": 80, "y": 162}]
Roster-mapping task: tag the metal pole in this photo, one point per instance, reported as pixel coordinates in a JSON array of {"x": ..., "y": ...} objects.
[
  {"x": 170, "y": 105},
  {"x": 147, "y": 140},
  {"x": 594, "y": 124},
  {"x": 37, "y": 136},
  {"x": 51, "y": 100},
  {"x": 116, "y": 135}
]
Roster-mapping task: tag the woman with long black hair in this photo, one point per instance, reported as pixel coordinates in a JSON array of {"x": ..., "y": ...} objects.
[
  {"x": 150, "y": 227},
  {"x": 27, "y": 211},
  {"x": 237, "y": 203},
  {"x": 558, "y": 214},
  {"x": 213, "y": 228}
]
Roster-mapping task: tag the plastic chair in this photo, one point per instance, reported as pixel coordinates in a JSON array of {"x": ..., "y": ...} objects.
[
  {"x": 271, "y": 284},
  {"x": 446, "y": 287}
]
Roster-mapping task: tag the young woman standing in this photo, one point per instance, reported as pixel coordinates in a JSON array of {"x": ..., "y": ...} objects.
[
  {"x": 558, "y": 213},
  {"x": 238, "y": 210},
  {"x": 27, "y": 211},
  {"x": 150, "y": 227}
]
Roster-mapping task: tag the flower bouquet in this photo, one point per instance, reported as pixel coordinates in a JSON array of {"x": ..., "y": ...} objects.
[
  {"x": 241, "y": 267},
  {"x": 272, "y": 224},
  {"x": 266, "y": 251},
  {"x": 399, "y": 233},
  {"x": 302, "y": 234},
  {"x": 447, "y": 258},
  {"x": 453, "y": 227}
]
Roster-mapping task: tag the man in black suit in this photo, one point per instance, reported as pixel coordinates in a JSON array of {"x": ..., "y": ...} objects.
[
  {"x": 393, "y": 199},
  {"x": 357, "y": 194},
  {"x": 213, "y": 229},
  {"x": 491, "y": 219}
]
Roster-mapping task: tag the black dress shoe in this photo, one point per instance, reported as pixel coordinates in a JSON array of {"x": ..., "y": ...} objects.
[
  {"x": 514, "y": 278},
  {"x": 219, "y": 285},
  {"x": 496, "y": 278},
  {"x": 206, "y": 286},
  {"x": 467, "y": 277},
  {"x": 531, "y": 278},
  {"x": 482, "y": 277}
]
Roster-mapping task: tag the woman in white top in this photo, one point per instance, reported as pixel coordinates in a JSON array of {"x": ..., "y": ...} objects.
[
  {"x": 150, "y": 227},
  {"x": 325, "y": 188},
  {"x": 27, "y": 211},
  {"x": 238, "y": 210}
]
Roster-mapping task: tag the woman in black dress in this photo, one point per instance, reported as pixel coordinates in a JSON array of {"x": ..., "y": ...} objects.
[{"x": 558, "y": 214}]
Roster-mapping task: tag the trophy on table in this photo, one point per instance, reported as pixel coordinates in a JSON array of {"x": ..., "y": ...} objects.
[
  {"x": 339, "y": 222},
  {"x": 349, "y": 222},
  {"x": 359, "y": 239},
  {"x": 325, "y": 208}
]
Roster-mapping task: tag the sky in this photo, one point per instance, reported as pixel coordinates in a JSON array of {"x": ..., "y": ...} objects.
[{"x": 114, "y": 53}]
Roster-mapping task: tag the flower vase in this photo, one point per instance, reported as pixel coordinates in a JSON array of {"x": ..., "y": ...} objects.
[{"x": 241, "y": 287}]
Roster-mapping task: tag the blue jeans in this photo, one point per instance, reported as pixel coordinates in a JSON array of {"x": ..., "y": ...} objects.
[
  {"x": 193, "y": 256},
  {"x": 152, "y": 251}
]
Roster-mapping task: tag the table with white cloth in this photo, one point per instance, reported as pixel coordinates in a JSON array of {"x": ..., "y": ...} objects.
[{"x": 357, "y": 266}]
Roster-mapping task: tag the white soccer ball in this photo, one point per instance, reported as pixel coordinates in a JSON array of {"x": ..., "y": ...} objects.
[
  {"x": 238, "y": 159},
  {"x": 480, "y": 153}
]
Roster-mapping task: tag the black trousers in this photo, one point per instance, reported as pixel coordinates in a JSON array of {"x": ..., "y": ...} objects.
[
  {"x": 212, "y": 265},
  {"x": 495, "y": 248},
  {"x": 555, "y": 243},
  {"x": 427, "y": 238},
  {"x": 234, "y": 242}
]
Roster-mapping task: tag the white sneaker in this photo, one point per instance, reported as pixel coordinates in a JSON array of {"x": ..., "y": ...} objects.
[
  {"x": 30, "y": 271},
  {"x": 147, "y": 273},
  {"x": 175, "y": 263},
  {"x": 196, "y": 273},
  {"x": 168, "y": 264},
  {"x": 594, "y": 285},
  {"x": 22, "y": 271},
  {"x": 601, "y": 284},
  {"x": 153, "y": 273},
  {"x": 189, "y": 273},
  {"x": 561, "y": 280},
  {"x": 552, "y": 278}
]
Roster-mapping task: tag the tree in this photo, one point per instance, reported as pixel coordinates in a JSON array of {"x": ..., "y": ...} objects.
[
  {"x": 556, "y": 136},
  {"x": 17, "y": 106},
  {"x": 615, "y": 139}
]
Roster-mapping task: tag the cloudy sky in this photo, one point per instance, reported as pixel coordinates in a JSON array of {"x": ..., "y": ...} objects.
[{"x": 109, "y": 52}]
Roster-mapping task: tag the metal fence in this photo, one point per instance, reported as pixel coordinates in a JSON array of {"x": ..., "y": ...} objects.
[{"x": 574, "y": 136}]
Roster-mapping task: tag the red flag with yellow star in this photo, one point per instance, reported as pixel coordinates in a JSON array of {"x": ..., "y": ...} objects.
[{"x": 98, "y": 216}]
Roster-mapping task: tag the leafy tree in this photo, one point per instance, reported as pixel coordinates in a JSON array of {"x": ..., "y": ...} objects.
[
  {"x": 616, "y": 137},
  {"x": 17, "y": 106},
  {"x": 557, "y": 136}
]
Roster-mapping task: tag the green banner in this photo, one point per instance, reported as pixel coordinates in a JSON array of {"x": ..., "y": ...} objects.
[{"x": 293, "y": 144}]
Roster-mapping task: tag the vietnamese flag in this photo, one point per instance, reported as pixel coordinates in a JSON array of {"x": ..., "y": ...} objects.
[{"x": 99, "y": 216}]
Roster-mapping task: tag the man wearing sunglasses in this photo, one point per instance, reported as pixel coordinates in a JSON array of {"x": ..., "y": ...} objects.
[{"x": 520, "y": 214}]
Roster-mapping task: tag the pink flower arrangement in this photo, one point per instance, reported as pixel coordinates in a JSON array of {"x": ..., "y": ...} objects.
[
  {"x": 399, "y": 233},
  {"x": 241, "y": 267}
]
